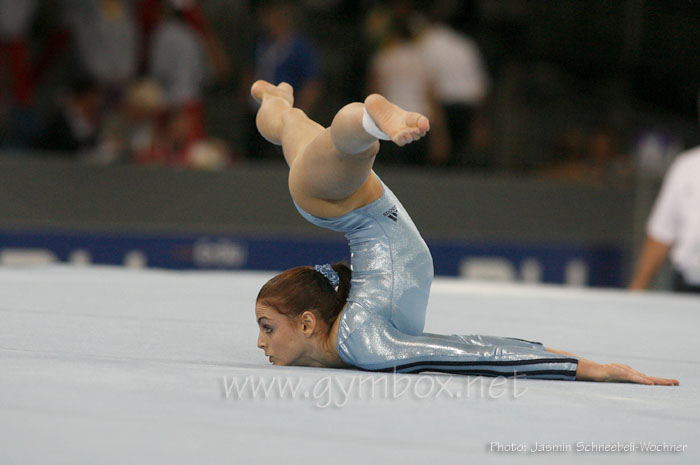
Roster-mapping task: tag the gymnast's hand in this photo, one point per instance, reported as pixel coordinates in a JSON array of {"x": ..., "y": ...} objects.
[{"x": 617, "y": 373}]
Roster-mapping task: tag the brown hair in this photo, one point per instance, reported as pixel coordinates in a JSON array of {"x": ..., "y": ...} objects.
[{"x": 303, "y": 288}]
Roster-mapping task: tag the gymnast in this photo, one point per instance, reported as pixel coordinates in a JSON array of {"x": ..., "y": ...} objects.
[{"x": 372, "y": 317}]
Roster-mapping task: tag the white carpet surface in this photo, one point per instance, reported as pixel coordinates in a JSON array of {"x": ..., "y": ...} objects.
[{"x": 103, "y": 365}]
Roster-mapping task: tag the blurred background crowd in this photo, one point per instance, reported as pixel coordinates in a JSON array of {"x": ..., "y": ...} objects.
[{"x": 587, "y": 91}]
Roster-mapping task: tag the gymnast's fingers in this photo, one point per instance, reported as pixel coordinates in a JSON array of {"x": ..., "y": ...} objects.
[
  {"x": 629, "y": 374},
  {"x": 665, "y": 381}
]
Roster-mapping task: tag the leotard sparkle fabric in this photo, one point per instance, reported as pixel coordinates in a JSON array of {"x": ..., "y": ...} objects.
[{"x": 381, "y": 328}]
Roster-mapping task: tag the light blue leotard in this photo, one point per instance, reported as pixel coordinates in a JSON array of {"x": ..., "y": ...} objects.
[{"x": 382, "y": 326}]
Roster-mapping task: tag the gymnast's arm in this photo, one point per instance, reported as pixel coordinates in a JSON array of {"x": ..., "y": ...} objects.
[
  {"x": 375, "y": 345},
  {"x": 370, "y": 342}
]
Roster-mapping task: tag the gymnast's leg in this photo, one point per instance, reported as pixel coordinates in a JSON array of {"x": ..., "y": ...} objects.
[{"x": 330, "y": 168}]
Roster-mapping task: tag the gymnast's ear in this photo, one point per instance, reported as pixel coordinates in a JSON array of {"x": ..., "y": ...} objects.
[{"x": 309, "y": 321}]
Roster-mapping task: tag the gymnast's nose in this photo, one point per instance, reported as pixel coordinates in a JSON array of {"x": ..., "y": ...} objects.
[{"x": 261, "y": 344}]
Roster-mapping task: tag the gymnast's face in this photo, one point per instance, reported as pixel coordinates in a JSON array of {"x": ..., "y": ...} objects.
[{"x": 282, "y": 338}]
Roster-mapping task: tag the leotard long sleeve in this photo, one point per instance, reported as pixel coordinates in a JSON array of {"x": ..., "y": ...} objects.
[{"x": 381, "y": 328}]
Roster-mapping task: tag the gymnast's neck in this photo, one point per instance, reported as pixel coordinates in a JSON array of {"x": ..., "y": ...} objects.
[{"x": 323, "y": 352}]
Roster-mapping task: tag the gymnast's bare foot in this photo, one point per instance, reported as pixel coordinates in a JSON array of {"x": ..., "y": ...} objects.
[
  {"x": 274, "y": 103},
  {"x": 403, "y": 127},
  {"x": 263, "y": 89}
]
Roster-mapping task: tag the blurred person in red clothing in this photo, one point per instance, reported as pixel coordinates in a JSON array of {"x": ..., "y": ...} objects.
[{"x": 15, "y": 20}]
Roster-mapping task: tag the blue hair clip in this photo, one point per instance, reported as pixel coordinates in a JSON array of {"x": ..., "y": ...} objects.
[{"x": 329, "y": 273}]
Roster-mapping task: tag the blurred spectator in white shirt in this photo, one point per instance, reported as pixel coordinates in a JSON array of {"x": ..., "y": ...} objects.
[
  {"x": 460, "y": 78},
  {"x": 674, "y": 227},
  {"x": 398, "y": 70}
]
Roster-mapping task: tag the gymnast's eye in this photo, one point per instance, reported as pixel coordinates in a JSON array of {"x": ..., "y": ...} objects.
[{"x": 267, "y": 328}]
